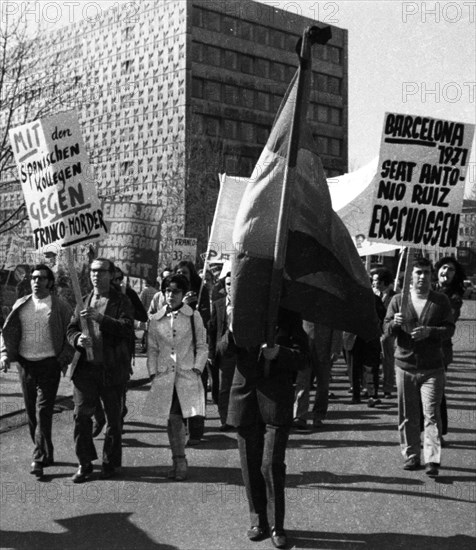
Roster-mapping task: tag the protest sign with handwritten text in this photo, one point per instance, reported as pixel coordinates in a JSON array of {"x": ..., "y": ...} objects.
[
  {"x": 185, "y": 248},
  {"x": 58, "y": 188},
  {"x": 133, "y": 240},
  {"x": 419, "y": 190}
]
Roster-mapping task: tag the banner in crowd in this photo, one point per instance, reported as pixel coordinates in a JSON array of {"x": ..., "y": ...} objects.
[
  {"x": 418, "y": 195},
  {"x": 55, "y": 174},
  {"x": 184, "y": 248},
  {"x": 133, "y": 239},
  {"x": 220, "y": 244}
]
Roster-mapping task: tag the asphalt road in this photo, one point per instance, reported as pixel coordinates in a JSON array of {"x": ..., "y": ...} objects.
[{"x": 346, "y": 488}]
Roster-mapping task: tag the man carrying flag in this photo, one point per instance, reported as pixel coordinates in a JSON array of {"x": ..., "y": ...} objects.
[{"x": 294, "y": 254}]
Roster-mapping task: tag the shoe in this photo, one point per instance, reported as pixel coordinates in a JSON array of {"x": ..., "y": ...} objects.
[
  {"x": 364, "y": 394},
  {"x": 107, "y": 472},
  {"x": 36, "y": 469},
  {"x": 431, "y": 469},
  {"x": 332, "y": 395},
  {"x": 350, "y": 390},
  {"x": 181, "y": 468},
  {"x": 258, "y": 532},
  {"x": 97, "y": 427},
  {"x": 444, "y": 443},
  {"x": 191, "y": 442},
  {"x": 226, "y": 428},
  {"x": 316, "y": 424},
  {"x": 387, "y": 395},
  {"x": 373, "y": 401},
  {"x": 278, "y": 538},
  {"x": 83, "y": 473},
  {"x": 300, "y": 425},
  {"x": 412, "y": 463}
]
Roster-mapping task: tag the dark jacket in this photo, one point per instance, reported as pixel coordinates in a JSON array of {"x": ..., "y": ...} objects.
[
  {"x": 424, "y": 354},
  {"x": 58, "y": 320},
  {"x": 256, "y": 398},
  {"x": 117, "y": 332},
  {"x": 220, "y": 339}
]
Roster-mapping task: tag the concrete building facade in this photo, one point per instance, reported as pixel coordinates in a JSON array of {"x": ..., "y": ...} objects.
[{"x": 170, "y": 92}]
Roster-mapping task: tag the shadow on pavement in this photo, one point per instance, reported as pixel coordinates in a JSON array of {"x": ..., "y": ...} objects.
[
  {"x": 104, "y": 531},
  {"x": 377, "y": 541}
]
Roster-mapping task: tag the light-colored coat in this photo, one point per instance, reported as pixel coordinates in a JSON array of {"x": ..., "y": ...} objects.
[{"x": 171, "y": 358}]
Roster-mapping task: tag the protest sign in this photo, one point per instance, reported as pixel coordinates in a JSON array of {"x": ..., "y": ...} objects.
[
  {"x": 418, "y": 194},
  {"x": 184, "y": 249},
  {"x": 133, "y": 239},
  {"x": 58, "y": 188},
  {"x": 220, "y": 244}
]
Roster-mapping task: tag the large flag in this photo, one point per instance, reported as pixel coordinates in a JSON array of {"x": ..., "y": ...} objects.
[{"x": 324, "y": 278}]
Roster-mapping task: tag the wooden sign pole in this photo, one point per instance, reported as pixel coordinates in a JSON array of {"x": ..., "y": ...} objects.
[{"x": 406, "y": 284}]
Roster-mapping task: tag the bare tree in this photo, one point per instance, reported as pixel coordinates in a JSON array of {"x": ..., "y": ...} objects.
[{"x": 33, "y": 83}]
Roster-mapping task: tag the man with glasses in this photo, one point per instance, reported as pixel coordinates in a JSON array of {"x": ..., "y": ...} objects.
[
  {"x": 34, "y": 335},
  {"x": 110, "y": 316}
]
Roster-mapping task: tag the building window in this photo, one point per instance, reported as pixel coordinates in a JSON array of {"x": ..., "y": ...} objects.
[
  {"x": 333, "y": 85},
  {"x": 231, "y": 95},
  {"x": 322, "y": 144},
  {"x": 262, "y": 67},
  {"x": 211, "y": 55},
  {"x": 248, "y": 98},
  {"x": 336, "y": 116},
  {"x": 211, "y": 90},
  {"x": 231, "y": 164},
  {"x": 322, "y": 113},
  {"x": 231, "y": 60},
  {"x": 248, "y": 132},
  {"x": 277, "y": 39},
  {"x": 246, "y": 30},
  {"x": 246, "y": 64},
  {"x": 229, "y": 26},
  {"x": 277, "y": 71},
  {"x": 197, "y": 17},
  {"x": 335, "y": 147},
  {"x": 197, "y": 87},
  {"x": 211, "y": 125},
  {"x": 231, "y": 129},
  {"x": 211, "y": 20},
  {"x": 197, "y": 52},
  {"x": 261, "y": 34},
  {"x": 262, "y": 101},
  {"x": 262, "y": 133}
]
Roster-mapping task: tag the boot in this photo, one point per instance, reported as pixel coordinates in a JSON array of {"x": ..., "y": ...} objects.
[
  {"x": 181, "y": 467},
  {"x": 176, "y": 433}
]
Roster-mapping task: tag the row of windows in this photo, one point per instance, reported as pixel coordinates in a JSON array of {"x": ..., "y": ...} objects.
[
  {"x": 212, "y": 90},
  {"x": 256, "y": 133},
  {"x": 258, "y": 66},
  {"x": 260, "y": 34}
]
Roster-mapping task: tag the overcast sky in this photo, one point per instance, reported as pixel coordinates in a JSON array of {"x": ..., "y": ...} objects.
[{"x": 408, "y": 57}]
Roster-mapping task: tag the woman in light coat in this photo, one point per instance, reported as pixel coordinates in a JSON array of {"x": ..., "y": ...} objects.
[{"x": 176, "y": 356}]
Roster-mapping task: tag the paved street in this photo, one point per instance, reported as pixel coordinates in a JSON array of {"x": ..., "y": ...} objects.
[{"x": 346, "y": 488}]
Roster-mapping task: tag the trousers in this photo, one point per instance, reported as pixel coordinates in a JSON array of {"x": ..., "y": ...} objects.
[
  {"x": 39, "y": 382},
  {"x": 262, "y": 449},
  {"x": 427, "y": 385},
  {"x": 89, "y": 387}
]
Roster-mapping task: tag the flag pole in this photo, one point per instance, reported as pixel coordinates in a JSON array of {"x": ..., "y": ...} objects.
[{"x": 312, "y": 35}]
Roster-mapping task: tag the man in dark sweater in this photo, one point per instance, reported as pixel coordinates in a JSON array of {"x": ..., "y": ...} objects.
[{"x": 419, "y": 331}]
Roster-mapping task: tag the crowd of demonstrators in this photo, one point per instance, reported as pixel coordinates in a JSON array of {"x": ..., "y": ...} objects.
[
  {"x": 176, "y": 357},
  {"x": 110, "y": 318},
  {"x": 260, "y": 392},
  {"x": 34, "y": 335},
  {"x": 420, "y": 365}
]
